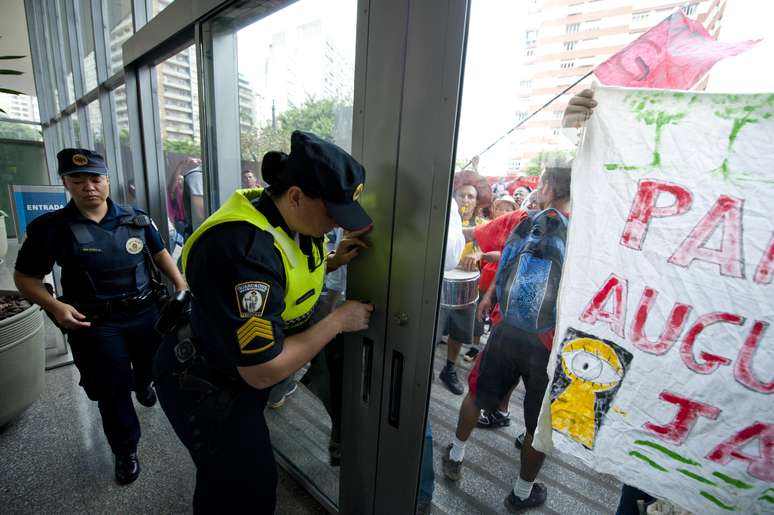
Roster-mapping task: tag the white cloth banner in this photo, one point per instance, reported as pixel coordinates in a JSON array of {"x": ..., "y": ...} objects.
[{"x": 662, "y": 369}]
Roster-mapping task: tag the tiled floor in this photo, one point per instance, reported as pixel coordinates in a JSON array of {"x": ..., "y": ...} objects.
[{"x": 54, "y": 459}]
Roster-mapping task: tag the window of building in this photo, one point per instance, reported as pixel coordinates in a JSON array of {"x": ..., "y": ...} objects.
[
  {"x": 569, "y": 45},
  {"x": 557, "y": 115},
  {"x": 520, "y": 115},
  {"x": 640, "y": 17},
  {"x": 531, "y": 37},
  {"x": 530, "y": 52},
  {"x": 690, "y": 9},
  {"x": 572, "y": 28},
  {"x": 591, "y": 25},
  {"x": 567, "y": 63},
  {"x": 525, "y": 84}
]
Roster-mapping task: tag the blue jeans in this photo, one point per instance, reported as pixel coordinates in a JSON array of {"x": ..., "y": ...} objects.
[
  {"x": 629, "y": 497},
  {"x": 426, "y": 472}
]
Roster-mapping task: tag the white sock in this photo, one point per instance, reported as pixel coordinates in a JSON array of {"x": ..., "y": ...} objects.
[
  {"x": 457, "y": 452},
  {"x": 522, "y": 489}
]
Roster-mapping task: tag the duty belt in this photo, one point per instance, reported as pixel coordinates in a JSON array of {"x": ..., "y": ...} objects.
[{"x": 100, "y": 310}]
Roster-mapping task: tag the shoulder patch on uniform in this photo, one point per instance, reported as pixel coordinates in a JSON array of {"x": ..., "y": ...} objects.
[
  {"x": 251, "y": 298},
  {"x": 255, "y": 327}
]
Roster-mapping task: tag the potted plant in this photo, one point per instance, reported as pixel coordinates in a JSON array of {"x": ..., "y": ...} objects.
[{"x": 22, "y": 355}]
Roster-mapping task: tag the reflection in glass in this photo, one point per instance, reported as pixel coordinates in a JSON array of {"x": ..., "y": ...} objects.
[
  {"x": 119, "y": 24},
  {"x": 95, "y": 126},
  {"x": 296, "y": 71},
  {"x": 68, "y": 62},
  {"x": 87, "y": 38},
  {"x": 178, "y": 105},
  {"x": 118, "y": 101}
]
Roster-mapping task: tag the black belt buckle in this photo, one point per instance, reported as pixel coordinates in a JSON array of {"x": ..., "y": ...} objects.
[{"x": 185, "y": 351}]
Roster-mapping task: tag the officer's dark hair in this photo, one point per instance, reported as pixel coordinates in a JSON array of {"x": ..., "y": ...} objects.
[
  {"x": 275, "y": 173},
  {"x": 557, "y": 174}
]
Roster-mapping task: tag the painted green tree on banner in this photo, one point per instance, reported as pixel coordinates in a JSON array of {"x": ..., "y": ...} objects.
[
  {"x": 649, "y": 109},
  {"x": 743, "y": 110}
]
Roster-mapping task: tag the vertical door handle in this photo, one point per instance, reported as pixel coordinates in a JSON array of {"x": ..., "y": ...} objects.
[
  {"x": 396, "y": 387},
  {"x": 367, "y": 356}
]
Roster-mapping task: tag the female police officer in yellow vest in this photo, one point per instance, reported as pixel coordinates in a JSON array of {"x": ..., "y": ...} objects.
[{"x": 255, "y": 270}]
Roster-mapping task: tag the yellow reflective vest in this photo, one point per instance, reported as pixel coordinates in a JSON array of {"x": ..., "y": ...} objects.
[{"x": 302, "y": 287}]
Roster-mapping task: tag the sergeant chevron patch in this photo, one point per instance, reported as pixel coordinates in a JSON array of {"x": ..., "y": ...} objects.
[{"x": 255, "y": 327}]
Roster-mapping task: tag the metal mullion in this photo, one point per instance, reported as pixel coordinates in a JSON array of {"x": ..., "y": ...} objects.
[
  {"x": 140, "y": 169},
  {"x": 80, "y": 86},
  {"x": 153, "y": 147},
  {"x": 100, "y": 41},
  {"x": 141, "y": 11},
  {"x": 112, "y": 147},
  {"x": 60, "y": 57},
  {"x": 114, "y": 80},
  {"x": 55, "y": 47},
  {"x": 83, "y": 125},
  {"x": 87, "y": 142},
  {"x": 76, "y": 59},
  {"x": 42, "y": 32},
  {"x": 37, "y": 59},
  {"x": 49, "y": 145}
]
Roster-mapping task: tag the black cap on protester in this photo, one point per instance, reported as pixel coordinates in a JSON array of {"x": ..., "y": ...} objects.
[
  {"x": 80, "y": 160},
  {"x": 321, "y": 168}
]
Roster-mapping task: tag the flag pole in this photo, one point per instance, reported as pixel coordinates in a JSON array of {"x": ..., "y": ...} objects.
[{"x": 525, "y": 120}]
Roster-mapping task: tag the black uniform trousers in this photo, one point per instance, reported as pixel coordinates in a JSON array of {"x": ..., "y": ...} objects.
[
  {"x": 226, "y": 434},
  {"x": 115, "y": 357}
]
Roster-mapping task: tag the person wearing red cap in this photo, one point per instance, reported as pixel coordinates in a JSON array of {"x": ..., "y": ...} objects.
[{"x": 256, "y": 268}]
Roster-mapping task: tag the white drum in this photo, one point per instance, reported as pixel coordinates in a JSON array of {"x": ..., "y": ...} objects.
[{"x": 459, "y": 288}]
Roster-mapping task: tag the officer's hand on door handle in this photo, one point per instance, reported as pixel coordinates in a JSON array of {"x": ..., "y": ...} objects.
[
  {"x": 68, "y": 317},
  {"x": 353, "y": 316}
]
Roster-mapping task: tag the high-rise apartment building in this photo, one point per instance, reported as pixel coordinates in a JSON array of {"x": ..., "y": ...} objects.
[
  {"x": 20, "y": 107},
  {"x": 566, "y": 39}
]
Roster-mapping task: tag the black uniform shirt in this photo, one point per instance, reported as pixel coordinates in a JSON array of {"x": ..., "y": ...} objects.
[
  {"x": 49, "y": 235},
  {"x": 238, "y": 279}
]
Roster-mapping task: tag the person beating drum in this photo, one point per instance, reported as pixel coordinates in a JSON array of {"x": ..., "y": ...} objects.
[{"x": 471, "y": 191}]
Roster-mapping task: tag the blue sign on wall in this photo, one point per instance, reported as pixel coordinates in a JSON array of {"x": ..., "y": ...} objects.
[{"x": 29, "y": 202}]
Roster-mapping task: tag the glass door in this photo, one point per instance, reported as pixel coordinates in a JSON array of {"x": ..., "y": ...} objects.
[{"x": 268, "y": 69}]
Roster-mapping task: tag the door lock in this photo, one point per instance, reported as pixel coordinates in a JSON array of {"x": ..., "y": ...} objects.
[{"x": 400, "y": 319}]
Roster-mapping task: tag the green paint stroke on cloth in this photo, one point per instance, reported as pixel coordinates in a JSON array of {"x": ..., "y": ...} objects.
[
  {"x": 697, "y": 477},
  {"x": 647, "y": 460},
  {"x": 717, "y": 501},
  {"x": 612, "y": 167},
  {"x": 731, "y": 481},
  {"x": 668, "y": 452}
]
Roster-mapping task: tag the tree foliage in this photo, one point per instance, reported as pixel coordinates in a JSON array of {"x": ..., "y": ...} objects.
[
  {"x": 535, "y": 165},
  {"x": 182, "y": 146},
  {"x": 318, "y": 116}
]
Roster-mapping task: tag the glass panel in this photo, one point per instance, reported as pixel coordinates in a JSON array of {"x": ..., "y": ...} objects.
[
  {"x": 120, "y": 28},
  {"x": 21, "y": 162},
  {"x": 127, "y": 164},
  {"x": 503, "y": 160},
  {"x": 75, "y": 130},
  {"x": 19, "y": 107},
  {"x": 68, "y": 62},
  {"x": 178, "y": 105},
  {"x": 87, "y": 38},
  {"x": 158, "y": 6},
  {"x": 296, "y": 71},
  {"x": 20, "y": 131},
  {"x": 95, "y": 126}
]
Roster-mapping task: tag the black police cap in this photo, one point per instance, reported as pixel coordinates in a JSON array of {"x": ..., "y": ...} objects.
[
  {"x": 321, "y": 168},
  {"x": 80, "y": 160}
]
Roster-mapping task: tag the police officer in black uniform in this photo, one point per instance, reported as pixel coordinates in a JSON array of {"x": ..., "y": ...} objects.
[
  {"x": 256, "y": 269},
  {"x": 108, "y": 254}
]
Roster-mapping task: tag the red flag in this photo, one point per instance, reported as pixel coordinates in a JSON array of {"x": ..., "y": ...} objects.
[{"x": 675, "y": 54}]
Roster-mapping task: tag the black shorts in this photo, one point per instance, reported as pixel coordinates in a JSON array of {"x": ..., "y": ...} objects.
[
  {"x": 511, "y": 355},
  {"x": 458, "y": 323}
]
